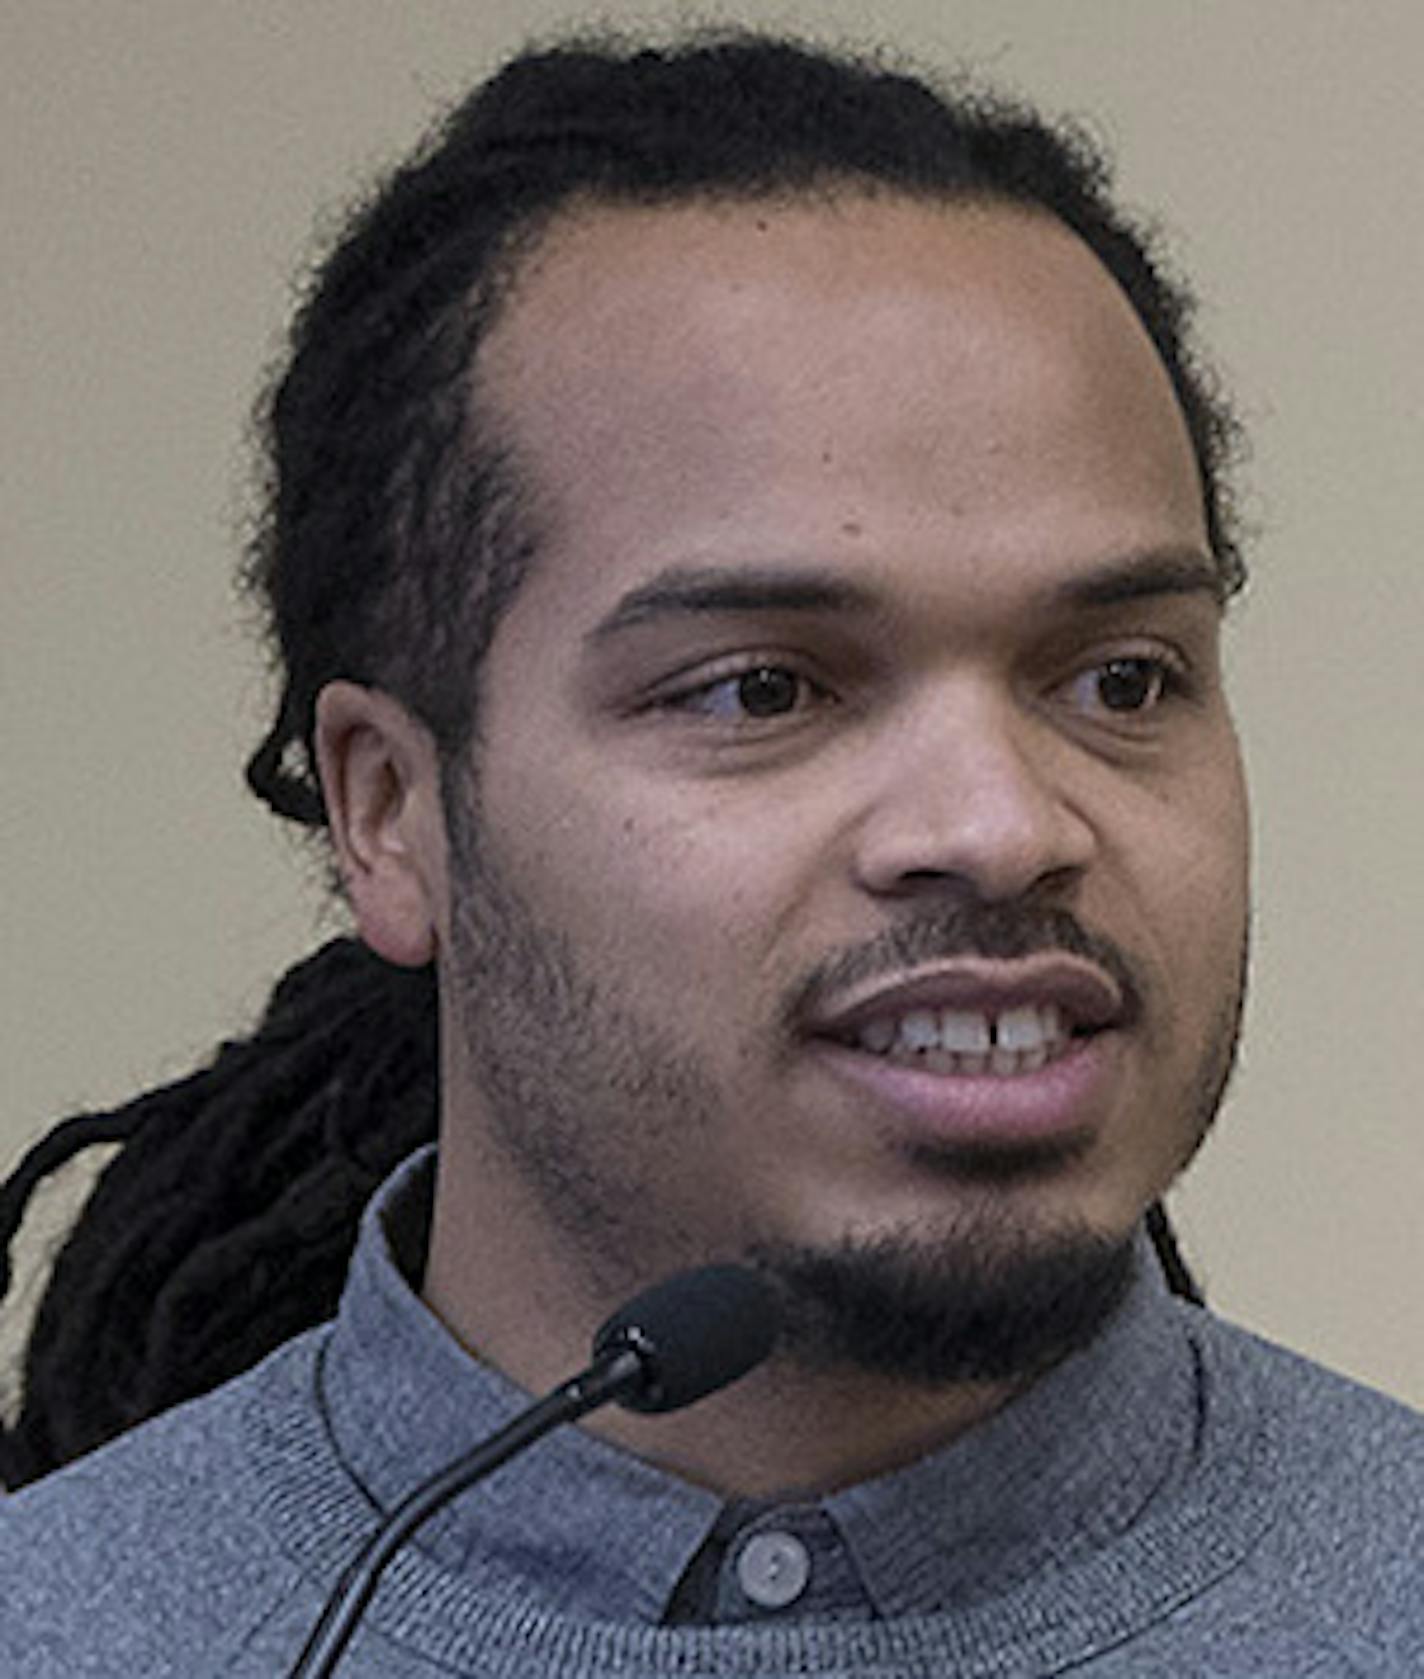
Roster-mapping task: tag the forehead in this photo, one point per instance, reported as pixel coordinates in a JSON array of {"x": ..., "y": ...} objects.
[{"x": 864, "y": 377}]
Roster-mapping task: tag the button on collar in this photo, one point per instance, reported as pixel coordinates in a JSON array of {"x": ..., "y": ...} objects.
[{"x": 773, "y": 1569}]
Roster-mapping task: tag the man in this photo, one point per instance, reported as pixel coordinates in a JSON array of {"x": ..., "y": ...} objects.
[{"x": 749, "y": 555}]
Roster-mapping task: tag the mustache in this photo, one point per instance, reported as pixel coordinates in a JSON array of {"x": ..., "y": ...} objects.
[{"x": 995, "y": 932}]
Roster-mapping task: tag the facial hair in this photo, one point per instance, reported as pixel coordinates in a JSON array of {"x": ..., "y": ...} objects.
[
  {"x": 934, "y": 1309},
  {"x": 581, "y": 1092}
]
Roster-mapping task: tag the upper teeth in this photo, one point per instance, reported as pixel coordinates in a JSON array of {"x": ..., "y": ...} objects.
[{"x": 1020, "y": 1030}]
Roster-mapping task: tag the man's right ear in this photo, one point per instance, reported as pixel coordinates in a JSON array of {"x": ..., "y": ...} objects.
[{"x": 380, "y": 776}]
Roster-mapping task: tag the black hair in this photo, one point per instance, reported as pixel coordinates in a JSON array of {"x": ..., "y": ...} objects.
[
  {"x": 399, "y": 524},
  {"x": 225, "y": 1223}
]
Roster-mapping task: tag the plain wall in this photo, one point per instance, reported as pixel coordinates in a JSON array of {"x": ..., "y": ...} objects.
[{"x": 165, "y": 166}]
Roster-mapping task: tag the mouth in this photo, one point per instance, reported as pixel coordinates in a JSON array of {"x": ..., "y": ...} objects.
[
  {"x": 961, "y": 1043},
  {"x": 973, "y": 1017},
  {"x": 990, "y": 1050}
]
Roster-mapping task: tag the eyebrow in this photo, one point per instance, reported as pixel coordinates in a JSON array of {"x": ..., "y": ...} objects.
[
  {"x": 1156, "y": 571},
  {"x": 681, "y": 591}
]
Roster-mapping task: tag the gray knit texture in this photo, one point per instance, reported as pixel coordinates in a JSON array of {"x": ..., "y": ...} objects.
[{"x": 1287, "y": 1540}]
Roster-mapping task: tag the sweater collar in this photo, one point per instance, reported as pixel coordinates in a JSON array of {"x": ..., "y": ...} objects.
[{"x": 597, "y": 1532}]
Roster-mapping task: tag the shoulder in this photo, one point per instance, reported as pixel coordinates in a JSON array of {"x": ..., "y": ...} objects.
[
  {"x": 1342, "y": 1469},
  {"x": 157, "y": 1543},
  {"x": 1342, "y": 1438}
]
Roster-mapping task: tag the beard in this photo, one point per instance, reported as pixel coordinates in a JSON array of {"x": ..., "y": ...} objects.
[
  {"x": 586, "y": 1099},
  {"x": 937, "y": 1308},
  {"x": 580, "y": 1092}
]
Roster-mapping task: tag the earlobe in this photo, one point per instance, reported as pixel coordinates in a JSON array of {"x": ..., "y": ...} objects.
[{"x": 380, "y": 778}]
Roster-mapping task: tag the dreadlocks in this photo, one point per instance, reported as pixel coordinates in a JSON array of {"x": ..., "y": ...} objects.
[
  {"x": 225, "y": 1224},
  {"x": 398, "y": 527}
]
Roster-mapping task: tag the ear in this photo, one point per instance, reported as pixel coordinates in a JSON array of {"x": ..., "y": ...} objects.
[{"x": 380, "y": 776}]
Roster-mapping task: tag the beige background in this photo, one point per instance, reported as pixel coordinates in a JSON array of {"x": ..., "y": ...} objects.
[{"x": 165, "y": 163}]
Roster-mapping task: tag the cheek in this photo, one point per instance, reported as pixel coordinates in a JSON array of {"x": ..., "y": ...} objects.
[
  {"x": 1189, "y": 858},
  {"x": 1215, "y": 850},
  {"x": 675, "y": 891}
]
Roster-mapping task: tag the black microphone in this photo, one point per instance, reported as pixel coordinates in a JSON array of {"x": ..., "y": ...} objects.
[{"x": 671, "y": 1346}]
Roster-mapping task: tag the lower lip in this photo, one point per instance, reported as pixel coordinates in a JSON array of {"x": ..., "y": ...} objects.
[{"x": 1064, "y": 1097}]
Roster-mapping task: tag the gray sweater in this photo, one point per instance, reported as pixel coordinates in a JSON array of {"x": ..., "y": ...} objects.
[{"x": 1181, "y": 1501}]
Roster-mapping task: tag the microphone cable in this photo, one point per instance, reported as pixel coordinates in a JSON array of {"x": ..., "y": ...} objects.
[{"x": 672, "y": 1345}]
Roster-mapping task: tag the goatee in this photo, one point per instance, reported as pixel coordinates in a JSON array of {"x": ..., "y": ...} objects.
[{"x": 936, "y": 1313}]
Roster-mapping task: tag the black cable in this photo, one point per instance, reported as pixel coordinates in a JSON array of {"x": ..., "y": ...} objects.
[
  {"x": 600, "y": 1383},
  {"x": 675, "y": 1343}
]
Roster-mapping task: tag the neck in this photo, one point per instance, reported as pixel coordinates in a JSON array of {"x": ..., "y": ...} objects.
[
  {"x": 782, "y": 1429},
  {"x": 754, "y": 1439}
]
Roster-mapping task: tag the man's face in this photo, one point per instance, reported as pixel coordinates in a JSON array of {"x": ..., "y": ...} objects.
[{"x": 856, "y": 846}]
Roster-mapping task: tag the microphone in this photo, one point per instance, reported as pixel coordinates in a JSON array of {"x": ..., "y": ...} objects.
[
  {"x": 692, "y": 1334},
  {"x": 672, "y": 1345}
]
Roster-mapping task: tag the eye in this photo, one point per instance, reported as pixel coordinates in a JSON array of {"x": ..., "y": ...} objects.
[
  {"x": 759, "y": 693},
  {"x": 1125, "y": 687}
]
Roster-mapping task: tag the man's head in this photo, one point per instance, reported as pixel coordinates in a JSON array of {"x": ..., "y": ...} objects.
[
  {"x": 813, "y": 774},
  {"x": 647, "y": 960},
  {"x": 398, "y": 525}
]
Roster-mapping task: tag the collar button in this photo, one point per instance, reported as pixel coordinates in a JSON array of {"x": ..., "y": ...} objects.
[{"x": 773, "y": 1569}]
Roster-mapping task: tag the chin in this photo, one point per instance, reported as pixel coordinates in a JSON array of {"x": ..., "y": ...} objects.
[{"x": 986, "y": 1300}]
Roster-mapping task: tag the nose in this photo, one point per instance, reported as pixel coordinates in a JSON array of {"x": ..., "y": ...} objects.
[{"x": 971, "y": 795}]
